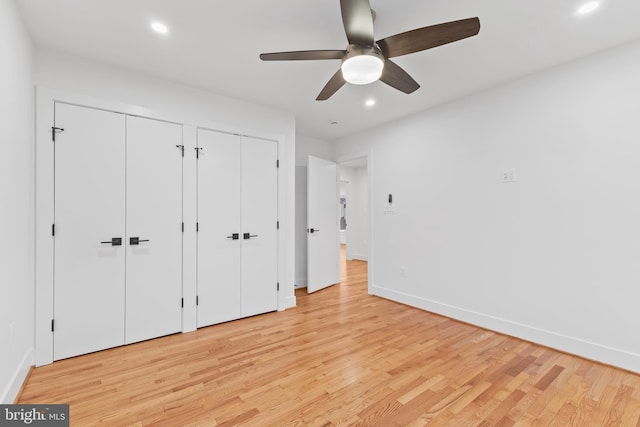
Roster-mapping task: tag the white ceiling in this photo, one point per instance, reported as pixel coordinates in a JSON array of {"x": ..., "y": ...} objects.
[{"x": 214, "y": 45}]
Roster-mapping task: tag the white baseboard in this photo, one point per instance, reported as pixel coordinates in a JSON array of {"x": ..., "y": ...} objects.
[
  {"x": 300, "y": 283},
  {"x": 17, "y": 380},
  {"x": 589, "y": 350},
  {"x": 360, "y": 257},
  {"x": 290, "y": 302}
]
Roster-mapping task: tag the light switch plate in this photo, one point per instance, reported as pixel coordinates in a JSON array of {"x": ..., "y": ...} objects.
[{"x": 509, "y": 176}]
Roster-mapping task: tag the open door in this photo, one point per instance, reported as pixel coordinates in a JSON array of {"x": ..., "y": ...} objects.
[{"x": 323, "y": 245}]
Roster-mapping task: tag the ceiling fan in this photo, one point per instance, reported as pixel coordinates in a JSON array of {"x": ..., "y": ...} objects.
[{"x": 366, "y": 60}]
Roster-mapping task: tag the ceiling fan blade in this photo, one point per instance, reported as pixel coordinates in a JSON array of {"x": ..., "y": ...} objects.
[
  {"x": 335, "y": 83},
  {"x": 358, "y": 21},
  {"x": 303, "y": 55},
  {"x": 428, "y": 37},
  {"x": 398, "y": 78}
]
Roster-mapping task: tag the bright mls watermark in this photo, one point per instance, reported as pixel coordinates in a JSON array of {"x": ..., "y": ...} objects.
[{"x": 34, "y": 415}]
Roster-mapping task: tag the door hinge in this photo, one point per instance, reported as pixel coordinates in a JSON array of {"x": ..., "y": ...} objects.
[
  {"x": 197, "y": 300},
  {"x": 54, "y": 130},
  {"x": 182, "y": 302},
  {"x": 277, "y": 225},
  {"x": 183, "y": 227},
  {"x": 278, "y": 163},
  {"x": 278, "y": 286},
  {"x": 197, "y": 227},
  {"x": 181, "y": 148},
  {"x": 53, "y": 229},
  {"x": 52, "y": 325}
]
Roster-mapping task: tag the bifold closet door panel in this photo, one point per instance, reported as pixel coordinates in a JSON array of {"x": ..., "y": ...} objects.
[
  {"x": 259, "y": 274},
  {"x": 218, "y": 250},
  {"x": 154, "y": 229},
  {"x": 89, "y": 260}
]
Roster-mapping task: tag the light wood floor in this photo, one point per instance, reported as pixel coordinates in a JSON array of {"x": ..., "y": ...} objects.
[{"x": 341, "y": 357}]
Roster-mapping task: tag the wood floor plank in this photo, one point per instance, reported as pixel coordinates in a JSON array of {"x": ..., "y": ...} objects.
[{"x": 340, "y": 358}]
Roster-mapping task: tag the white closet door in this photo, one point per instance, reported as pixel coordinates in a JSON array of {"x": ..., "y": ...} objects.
[
  {"x": 89, "y": 275},
  {"x": 154, "y": 219},
  {"x": 218, "y": 253},
  {"x": 259, "y": 219}
]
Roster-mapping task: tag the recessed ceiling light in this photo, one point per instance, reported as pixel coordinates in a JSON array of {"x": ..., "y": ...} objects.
[
  {"x": 588, "y": 7},
  {"x": 159, "y": 27},
  {"x": 370, "y": 102}
]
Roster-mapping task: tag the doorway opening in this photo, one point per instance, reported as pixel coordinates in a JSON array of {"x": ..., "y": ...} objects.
[{"x": 353, "y": 213}]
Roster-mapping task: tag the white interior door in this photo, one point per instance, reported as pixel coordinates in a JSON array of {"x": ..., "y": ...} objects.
[
  {"x": 323, "y": 244},
  {"x": 259, "y": 273},
  {"x": 219, "y": 238},
  {"x": 154, "y": 229},
  {"x": 89, "y": 267}
]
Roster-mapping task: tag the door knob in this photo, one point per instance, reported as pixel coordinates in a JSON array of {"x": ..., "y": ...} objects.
[
  {"x": 234, "y": 236},
  {"x": 312, "y": 230},
  {"x": 136, "y": 240},
  {"x": 115, "y": 241},
  {"x": 247, "y": 236}
]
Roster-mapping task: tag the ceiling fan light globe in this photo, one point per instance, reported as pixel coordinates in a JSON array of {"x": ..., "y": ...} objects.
[{"x": 362, "y": 69}]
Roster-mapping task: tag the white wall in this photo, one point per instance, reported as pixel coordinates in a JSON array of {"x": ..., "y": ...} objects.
[
  {"x": 361, "y": 214},
  {"x": 16, "y": 201},
  {"x": 305, "y": 147},
  {"x": 553, "y": 257},
  {"x": 77, "y": 78}
]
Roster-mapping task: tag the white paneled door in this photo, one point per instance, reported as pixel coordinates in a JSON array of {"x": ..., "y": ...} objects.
[
  {"x": 118, "y": 230},
  {"x": 154, "y": 229},
  {"x": 218, "y": 258},
  {"x": 89, "y": 260},
  {"x": 237, "y": 227},
  {"x": 323, "y": 242},
  {"x": 259, "y": 226}
]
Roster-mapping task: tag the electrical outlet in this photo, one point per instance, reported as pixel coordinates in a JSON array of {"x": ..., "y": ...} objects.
[{"x": 403, "y": 271}]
